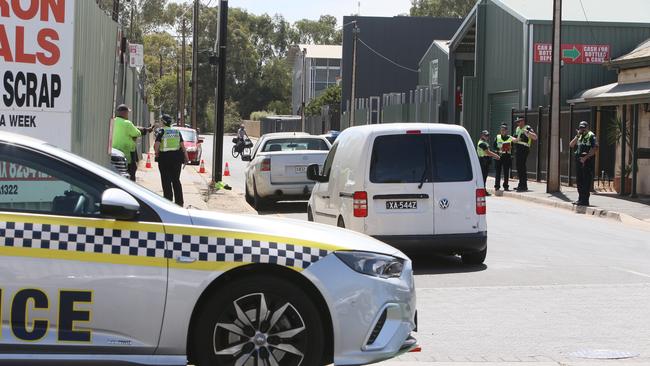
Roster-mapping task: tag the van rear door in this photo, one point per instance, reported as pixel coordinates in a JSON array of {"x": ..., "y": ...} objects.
[
  {"x": 399, "y": 187},
  {"x": 454, "y": 185}
]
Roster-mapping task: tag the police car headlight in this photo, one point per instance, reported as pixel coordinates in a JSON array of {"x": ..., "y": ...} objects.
[{"x": 372, "y": 264}]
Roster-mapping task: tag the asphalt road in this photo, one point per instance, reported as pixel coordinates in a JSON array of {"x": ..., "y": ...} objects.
[{"x": 556, "y": 285}]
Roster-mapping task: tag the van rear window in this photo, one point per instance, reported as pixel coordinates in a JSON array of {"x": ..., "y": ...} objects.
[
  {"x": 399, "y": 159},
  {"x": 405, "y": 158}
]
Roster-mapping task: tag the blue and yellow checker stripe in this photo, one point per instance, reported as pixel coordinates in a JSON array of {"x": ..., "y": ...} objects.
[{"x": 150, "y": 244}]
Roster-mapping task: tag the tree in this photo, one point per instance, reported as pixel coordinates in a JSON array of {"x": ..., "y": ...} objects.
[
  {"x": 441, "y": 8},
  {"x": 331, "y": 95},
  {"x": 321, "y": 31}
]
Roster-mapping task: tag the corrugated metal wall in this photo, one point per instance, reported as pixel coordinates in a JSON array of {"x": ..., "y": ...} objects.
[
  {"x": 94, "y": 70},
  {"x": 622, "y": 39},
  {"x": 424, "y": 78}
]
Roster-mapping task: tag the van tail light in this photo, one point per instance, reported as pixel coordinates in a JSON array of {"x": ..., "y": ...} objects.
[
  {"x": 265, "y": 165},
  {"x": 481, "y": 206},
  {"x": 360, "y": 204}
]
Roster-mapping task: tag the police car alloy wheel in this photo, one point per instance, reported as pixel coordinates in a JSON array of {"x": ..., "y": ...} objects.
[{"x": 259, "y": 321}]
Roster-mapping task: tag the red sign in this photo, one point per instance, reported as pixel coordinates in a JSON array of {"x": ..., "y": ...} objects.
[{"x": 573, "y": 53}]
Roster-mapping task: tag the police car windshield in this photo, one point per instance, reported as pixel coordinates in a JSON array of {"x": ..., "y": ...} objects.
[{"x": 188, "y": 135}]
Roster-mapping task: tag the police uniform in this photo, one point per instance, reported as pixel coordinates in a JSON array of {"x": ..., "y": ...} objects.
[
  {"x": 481, "y": 147},
  {"x": 522, "y": 148},
  {"x": 585, "y": 171},
  {"x": 170, "y": 162},
  {"x": 503, "y": 147}
]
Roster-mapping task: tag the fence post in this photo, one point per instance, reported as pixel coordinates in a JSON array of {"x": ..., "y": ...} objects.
[
  {"x": 538, "y": 163},
  {"x": 623, "y": 148},
  {"x": 548, "y": 138},
  {"x": 570, "y": 134}
]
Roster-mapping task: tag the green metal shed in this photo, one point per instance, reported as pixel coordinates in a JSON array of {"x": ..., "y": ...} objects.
[
  {"x": 500, "y": 56},
  {"x": 434, "y": 72}
]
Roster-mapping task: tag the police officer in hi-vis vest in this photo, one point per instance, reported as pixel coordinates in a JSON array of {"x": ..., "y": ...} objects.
[
  {"x": 503, "y": 146},
  {"x": 170, "y": 155},
  {"x": 587, "y": 147},
  {"x": 523, "y": 139},
  {"x": 485, "y": 155}
]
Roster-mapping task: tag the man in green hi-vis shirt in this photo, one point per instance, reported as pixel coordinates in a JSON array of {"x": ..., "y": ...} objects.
[{"x": 124, "y": 135}]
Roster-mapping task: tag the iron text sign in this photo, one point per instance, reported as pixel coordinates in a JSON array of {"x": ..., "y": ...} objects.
[{"x": 573, "y": 53}]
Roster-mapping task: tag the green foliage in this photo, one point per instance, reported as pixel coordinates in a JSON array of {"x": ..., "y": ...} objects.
[
  {"x": 258, "y": 115},
  {"x": 331, "y": 95},
  {"x": 614, "y": 133},
  {"x": 321, "y": 31},
  {"x": 441, "y": 8},
  {"x": 279, "y": 107},
  {"x": 232, "y": 119}
]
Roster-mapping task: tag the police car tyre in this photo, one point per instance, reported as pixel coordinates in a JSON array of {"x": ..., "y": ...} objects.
[
  {"x": 258, "y": 321},
  {"x": 474, "y": 258}
]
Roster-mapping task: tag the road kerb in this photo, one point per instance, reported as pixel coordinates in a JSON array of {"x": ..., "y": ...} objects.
[{"x": 590, "y": 211}]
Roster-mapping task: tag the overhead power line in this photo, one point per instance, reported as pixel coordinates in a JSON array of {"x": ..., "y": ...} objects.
[{"x": 386, "y": 58}]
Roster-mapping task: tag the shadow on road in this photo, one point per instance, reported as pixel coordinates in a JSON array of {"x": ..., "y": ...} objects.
[
  {"x": 427, "y": 264},
  {"x": 285, "y": 208}
]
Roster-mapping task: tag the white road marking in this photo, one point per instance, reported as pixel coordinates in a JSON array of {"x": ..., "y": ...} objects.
[{"x": 631, "y": 272}]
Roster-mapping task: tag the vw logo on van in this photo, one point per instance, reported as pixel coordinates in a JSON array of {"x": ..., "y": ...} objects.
[{"x": 444, "y": 203}]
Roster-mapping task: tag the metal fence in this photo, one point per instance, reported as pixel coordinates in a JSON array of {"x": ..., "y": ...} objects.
[
  {"x": 538, "y": 158},
  {"x": 101, "y": 82}
]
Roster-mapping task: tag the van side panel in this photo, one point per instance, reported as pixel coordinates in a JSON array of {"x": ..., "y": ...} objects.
[{"x": 348, "y": 178}]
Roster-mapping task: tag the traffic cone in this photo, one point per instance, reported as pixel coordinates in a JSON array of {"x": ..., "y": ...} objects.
[
  {"x": 148, "y": 166},
  {"x": 202, "y": 167},
  {"x": 226, "y": 172}
]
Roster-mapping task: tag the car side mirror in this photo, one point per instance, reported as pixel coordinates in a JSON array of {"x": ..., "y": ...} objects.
[
  {"x": 119, "y": 205},
  {"x": 313, "y": 173},
  {"x": 246, "y": 158}
]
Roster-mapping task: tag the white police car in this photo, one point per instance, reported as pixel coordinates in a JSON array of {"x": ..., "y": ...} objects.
[{"x": 94, "y": 268}]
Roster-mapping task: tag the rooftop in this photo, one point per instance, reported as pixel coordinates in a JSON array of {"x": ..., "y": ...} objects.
[
  {"x": 620, "y": 11},
  {"x": 640, "y": 56},
  {"x": 316, "y": 51}
]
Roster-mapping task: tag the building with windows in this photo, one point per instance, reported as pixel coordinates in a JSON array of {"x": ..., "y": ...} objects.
[{"x": 315, "y": 68}]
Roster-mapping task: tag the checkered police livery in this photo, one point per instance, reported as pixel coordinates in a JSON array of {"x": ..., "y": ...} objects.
[{"x": 153, "y": 244}]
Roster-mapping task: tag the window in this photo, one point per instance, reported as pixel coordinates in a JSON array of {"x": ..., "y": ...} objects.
[
  {"x": 320, "y": 75},
  {"x": 293, "y": 144},
  {"x": 451, "y": 162},
  {"x": 405, "y": 158},
  {"x": 32, "y": 182},
  {"x": 399, "y": 159},
  {"x": 327, "y": 166},
  {"x": 319, "y": 62},
  {"x": 188, "y": 135}
]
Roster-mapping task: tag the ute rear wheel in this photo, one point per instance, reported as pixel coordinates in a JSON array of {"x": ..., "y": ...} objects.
[{"x": 259, "y": 320}]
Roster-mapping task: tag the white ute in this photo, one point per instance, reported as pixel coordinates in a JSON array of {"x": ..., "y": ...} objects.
[
  {"x": 278, "y": 164},
  {"x": 407, "y": 184}
]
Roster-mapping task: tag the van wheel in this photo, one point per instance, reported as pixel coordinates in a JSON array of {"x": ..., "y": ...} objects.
[
  {"x": 310, "y": 216},
  {"x": 340, "y": 223},
  {"x": 259, "y": 320},
  {"x": 474, "y": 258}
]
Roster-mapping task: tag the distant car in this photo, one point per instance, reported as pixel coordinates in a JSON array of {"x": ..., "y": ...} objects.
[
  {"x": 331, "y": 136},
  {"x": 193, "y": 144},
  {"x": 278, "y": 165},
  {"x": 119, "y": 163},
  {"x": 406, "y": 184}
]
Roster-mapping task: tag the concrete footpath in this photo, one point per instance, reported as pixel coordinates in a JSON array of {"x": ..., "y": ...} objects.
[
  {"x": 605, "y": 205},
  {"x": 196, "y": 191}
]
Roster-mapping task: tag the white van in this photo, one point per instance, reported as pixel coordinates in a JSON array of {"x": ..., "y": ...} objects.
[{"x": 408, "y": 184}]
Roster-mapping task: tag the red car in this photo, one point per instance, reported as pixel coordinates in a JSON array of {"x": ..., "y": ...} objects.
[{"x": 192, "y": 144}]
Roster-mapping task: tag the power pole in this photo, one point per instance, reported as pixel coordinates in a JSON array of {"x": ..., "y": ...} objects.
[
  {"x": 178, "y": 86},
  {"x": 553, "y": 174},
  {"x": 355, "y": 36},
  {"x": 220, "y": 91},
  {"x": 195, "y": 62},
  {"x": 304, "y": 88},
  {"x": 182, "y": 116}
]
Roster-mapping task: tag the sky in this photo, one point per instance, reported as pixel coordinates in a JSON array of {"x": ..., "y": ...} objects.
[{"x": 294, "y": 10}]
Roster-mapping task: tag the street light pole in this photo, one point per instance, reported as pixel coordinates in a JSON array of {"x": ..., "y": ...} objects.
[
  {"x": 553, "y": 174},
  {"x": 304, "y": 89},
  {"x": 195, "y": 63},
  {"x": 220, "y": 89},
  {"x": 182, "y": 106},
  {"x": 355, "y": 36}
]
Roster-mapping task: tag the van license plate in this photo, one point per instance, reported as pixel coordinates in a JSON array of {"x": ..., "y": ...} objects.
[
  {"x": 401, "y": 205},
  {"x": 301, "y": 169}
]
